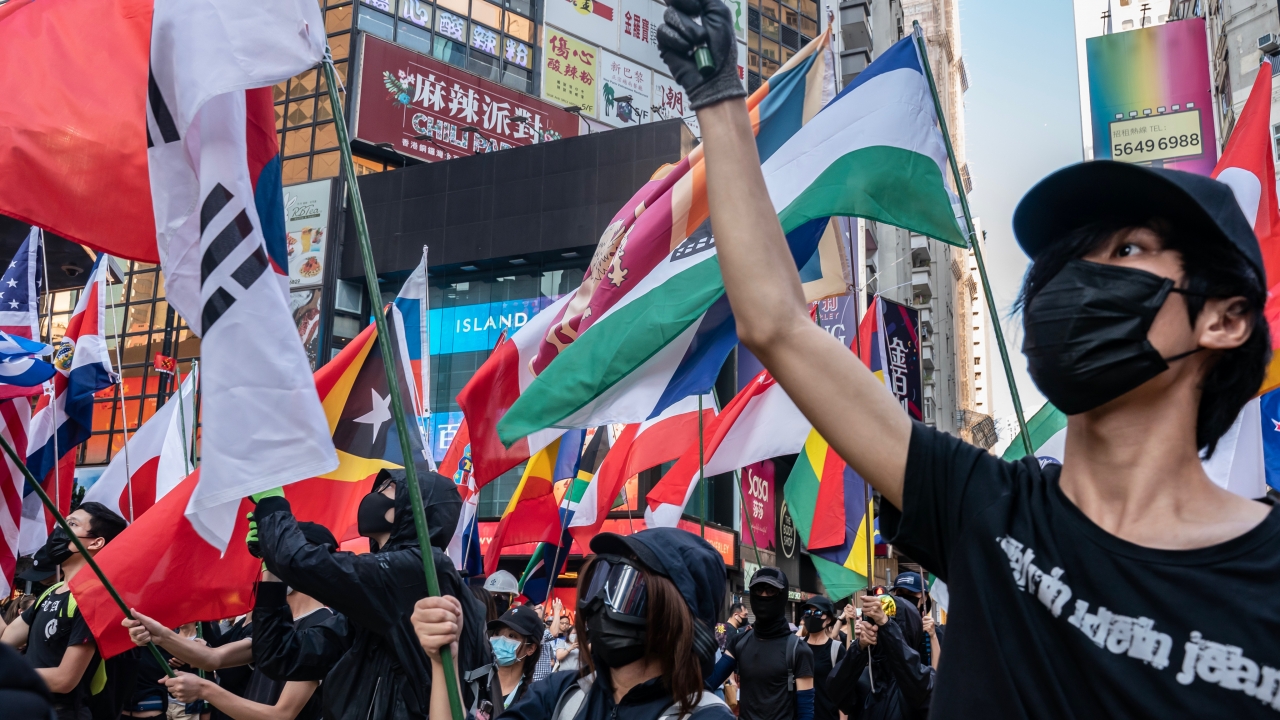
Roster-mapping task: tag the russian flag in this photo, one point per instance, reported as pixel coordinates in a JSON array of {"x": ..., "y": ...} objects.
[{"x": 64, "y": 419}]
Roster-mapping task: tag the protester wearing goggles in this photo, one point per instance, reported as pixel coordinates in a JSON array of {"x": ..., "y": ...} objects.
[
  {"x": 53, "y": 631},
  {"x": 647, "y": 604},
  {"x": 1143, "y": 318},
  {"x": 817, "y": 626}
]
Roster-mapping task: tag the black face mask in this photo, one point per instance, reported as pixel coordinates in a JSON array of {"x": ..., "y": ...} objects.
[
  {"x": 55, "y": 551},
  {"x": 616, "y": 639},
  {"x": 770, "y": 615},
  {"x": 815, "y": 623},
  {"x": 1086, "y": 334},
  {"x": 371, "y": 517}
]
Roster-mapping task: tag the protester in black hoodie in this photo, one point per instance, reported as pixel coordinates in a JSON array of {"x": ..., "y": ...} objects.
[
  {"x": 648, "y": 603},
  {"x": 385, "y": 674},
  {"x": 896, "y": 685},
  {"x": 22, "y": 693}
]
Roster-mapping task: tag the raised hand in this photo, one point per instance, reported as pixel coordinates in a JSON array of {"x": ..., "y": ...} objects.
[{"x": 681, "y": 34}]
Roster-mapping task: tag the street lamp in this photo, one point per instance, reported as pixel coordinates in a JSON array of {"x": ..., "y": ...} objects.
[
  {"x": 577, "y": 110},
  {"x": 392, "y": 148},
  {"x": 476, "y": 131}
]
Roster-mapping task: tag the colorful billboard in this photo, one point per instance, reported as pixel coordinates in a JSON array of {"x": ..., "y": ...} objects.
[
  {"x": 473, "y": 328},
  {"x": 432, "y": 111},
  {"x": 1149, "y": 93},
  {"x": 758, "y": 489},
  {"x": 306, "y": 225},
  {"x": 624, "y": 91},
  {"x": 570, "y": 69}
]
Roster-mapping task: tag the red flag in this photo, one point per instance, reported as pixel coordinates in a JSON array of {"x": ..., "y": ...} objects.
[
  {"x": 1248, "y": 167},
  {"x": 164, "y": 569},
  {"x": 73, "y": 131},
  {"x": 532, "y": 515}
]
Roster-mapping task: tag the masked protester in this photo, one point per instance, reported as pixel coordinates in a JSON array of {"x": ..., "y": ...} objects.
[
  {"x": 818, "y": 619},
  {"x": 513, "y": 638},
  {"x": 1143, "y": 318},
  {"x": 910, "y": 587},
  {"x": 883, "y": 677},
  {"x": 384, "y": 675},
  {"x": 53, "y": 631},
  {"x": 647, "y": 602},
  {"x": 504, "y": 587},
  {"x": 774, "y": 665}
]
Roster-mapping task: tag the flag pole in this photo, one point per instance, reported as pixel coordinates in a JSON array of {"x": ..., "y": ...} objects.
[
  {"x": 702, "y": 478},
  {"x": 182, "y": 414},
  {"x": 93, "y": 564},
  {"x": 973, "y": 241},
  {"x": 389, "y": 365},
  {"x": 751, "y": 529},
  {"x": 124, "y": 410}
]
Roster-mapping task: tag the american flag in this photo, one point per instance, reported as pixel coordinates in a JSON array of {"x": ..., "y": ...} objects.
[
  {"x": 20, "y": 289},
  {"x": 15, "y": 417}
]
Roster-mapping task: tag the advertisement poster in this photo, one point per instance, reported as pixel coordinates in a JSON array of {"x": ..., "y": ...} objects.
[
  {"x": 1149, "y": 93},
  {"x": 595, "y": 21},
  {"x": 671, "y": 102},
  {"x": 570, "y": 69},
  {"x": 900, "y": 335},
  {"x": 640, "y": 22},
  {"x": 838, "y": 316},
  {"x": 443, "y": 427},
  {"x": 474, "y": 328},
  {"x": 421, "y": 107},
  {"x": 305, "y": 306},
  {"x": 306, "y": 225},
  {"x": 757, "y": 512},
  {"x": 624, "y": 91}
]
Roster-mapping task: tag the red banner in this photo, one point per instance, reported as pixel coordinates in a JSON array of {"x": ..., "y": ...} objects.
[{"x": 421, "y": 107}]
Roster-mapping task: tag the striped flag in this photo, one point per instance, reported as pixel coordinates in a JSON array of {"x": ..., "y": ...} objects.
[
  {"x": 650, "y": 323},
  {"x": 64, "y": 418},
  {"x": 532, "y": 514},
  {"x": 759, "y": 423},
  {"x": 1048, "y": 432},
  {"x": 262, "y": 423},
  {"x": 15, "y": 416},
  {"x": 21, "y": 371},
  {"x": 20, "y": 317}
]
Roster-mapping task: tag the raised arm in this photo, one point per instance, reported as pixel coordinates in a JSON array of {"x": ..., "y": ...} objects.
[
  {"x": 846, "y": 403},
  {"x": 143, "y": 629}
]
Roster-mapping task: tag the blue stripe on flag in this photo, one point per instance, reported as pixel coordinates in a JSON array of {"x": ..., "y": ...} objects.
[
  {"x": 411, "y": 311},
  {"x": 902, "y": 56},
  {"x": 41, "y": 461},
  {"x": 82, "y": 383},
  {"x": 782, "y": 109},
  {"x": 855, "y": 514},
  {"x": 569, "y": 455},
  {"x": 24, "y": 371},
  {"x": 268, "y": 198}
]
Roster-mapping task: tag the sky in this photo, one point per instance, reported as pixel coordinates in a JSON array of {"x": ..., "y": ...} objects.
[{"x": 1022, "y": 121}]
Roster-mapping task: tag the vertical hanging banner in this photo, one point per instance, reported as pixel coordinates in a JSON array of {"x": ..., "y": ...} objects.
[
  {"x": 624, "y": 91},
  {"x": 758, "y": 512},
  {"x": 900, "y": 335},
  {"x": 306, "y": 225},
  {"x": 570, "y": 71}
]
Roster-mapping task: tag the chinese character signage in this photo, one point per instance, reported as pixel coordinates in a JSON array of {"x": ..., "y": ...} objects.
[
  {"x": 900, "y": 335},
  {"x": 417, "y": 12},
  {"x": 306, "y": 225},
  {"x": 624, "y": 91},
  {"x": 570, "y": 71},
  {"x": 421, "y": 107},
  {"x": 671, "y": 102},
  {"x": 640, "y": 22},
  {"x": 757, "y": 509},
  {"x": 595, "y": 21}
]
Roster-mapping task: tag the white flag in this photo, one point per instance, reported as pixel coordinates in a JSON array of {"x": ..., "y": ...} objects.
[{"x": 263, "y": 425}]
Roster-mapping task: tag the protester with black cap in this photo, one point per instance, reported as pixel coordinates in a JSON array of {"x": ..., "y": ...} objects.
[
  {"x": 775, "y": 666},
  {"x": 818, "y": 618},
  {"x": 648, "y": 603},
  {"x": 384, "y": 675},
  {"x": 53, "y": 632},
  {"x": 514, "y": 640},
  {"x": 883, "y": 677},
  {"x": 1143, "y": 322},
  {"x": 910, "y": 587}
]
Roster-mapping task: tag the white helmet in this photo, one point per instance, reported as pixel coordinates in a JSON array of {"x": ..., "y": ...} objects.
[{"x": 502, "y": 582}]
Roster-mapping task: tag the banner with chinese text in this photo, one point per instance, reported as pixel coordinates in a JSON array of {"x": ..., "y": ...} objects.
[
  {"x": 569, "y": 71},
  {"x": 421, "y": 107},
  {"x": 900, "y": 333},
  {"x": 757, "y": 511},
  {"x": 624, "y": 91}
]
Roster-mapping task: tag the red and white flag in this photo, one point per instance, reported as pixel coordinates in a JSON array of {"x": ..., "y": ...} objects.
[
  {"x": 759, "y": 423},
  {"x": 15, "y": 416},
  {"x": 156, "y": 459},
  {"x": 495, "y": 388},
  {"x": 638, "y": 447}
]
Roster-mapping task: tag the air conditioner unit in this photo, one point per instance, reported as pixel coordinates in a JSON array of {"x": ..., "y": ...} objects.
[{"x": 1268, "y": 43}]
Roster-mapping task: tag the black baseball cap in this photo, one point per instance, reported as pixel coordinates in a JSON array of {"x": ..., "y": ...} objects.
[
  {"x": 770, "y": 576},
  {"x": 521, "y": 618},
  {"x": 822, "y": 603},
  {"x": 909, "y": 581},
  {"x": 625, "y": 545},
  {"x": 1108, "y": 191}
]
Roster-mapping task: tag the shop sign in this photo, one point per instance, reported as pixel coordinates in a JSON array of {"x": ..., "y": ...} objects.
[
  {"x": 306, "y": 225},
  {"x": 787, "y": 532},
  {"x": 444, "y": 426},
  {"x": 640, "y": 22},
  {"x": 472, "y": 328},
  {"x": 757, "y": 510},
  {"x": 621, "y": 78},
  {"x": 421, "y": 107},
  {"x": 595, "y": 21},
  {"x": 570, "y": 71},
  {"x": 671, "y": 102}
]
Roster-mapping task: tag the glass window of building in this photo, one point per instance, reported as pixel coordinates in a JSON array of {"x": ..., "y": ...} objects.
[{"x": 775, "y": 32}]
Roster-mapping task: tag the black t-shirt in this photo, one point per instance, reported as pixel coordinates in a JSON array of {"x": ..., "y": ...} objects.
[
  {"x": 234, "y": 680},
  {"x": 824, "y": 708},
  {"x": 726, "y": 632},
  {"x": 54, "y": 628},
  {"x": 1054, "y": 617},
  {"x": 762, "y": 666},
  {"x": 262, "y": 689}
]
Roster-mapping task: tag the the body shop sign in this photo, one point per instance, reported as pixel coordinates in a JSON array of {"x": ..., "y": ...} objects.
[{"x": 420, "y": 106}]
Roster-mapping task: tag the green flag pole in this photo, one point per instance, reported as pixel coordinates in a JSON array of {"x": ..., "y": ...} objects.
[
  {"x": 389, "y": 365},
  {"x": 974, "y": 242},
  {"x": 75, "y": 539}
]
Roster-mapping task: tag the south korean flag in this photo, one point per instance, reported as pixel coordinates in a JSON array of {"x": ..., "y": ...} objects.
[{"x": 263, "y": 425}]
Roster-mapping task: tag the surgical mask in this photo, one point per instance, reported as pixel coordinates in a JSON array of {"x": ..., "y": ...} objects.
[
  {"x": 55, "y": 551},
  {"x": 1086, "y": 334},
  {"x": 504, "y": 650},
  {"x": 371, "y": 517}
]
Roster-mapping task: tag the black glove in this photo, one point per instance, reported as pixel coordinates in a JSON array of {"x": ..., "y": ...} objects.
[{"x": 680, "y": 34}]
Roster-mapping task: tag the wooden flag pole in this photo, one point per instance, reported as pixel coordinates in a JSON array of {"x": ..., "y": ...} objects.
[
  {"x": 389, "y": 365},
  {"x": 975, "y": 243},
  {"x": 75, "y": 539}
]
